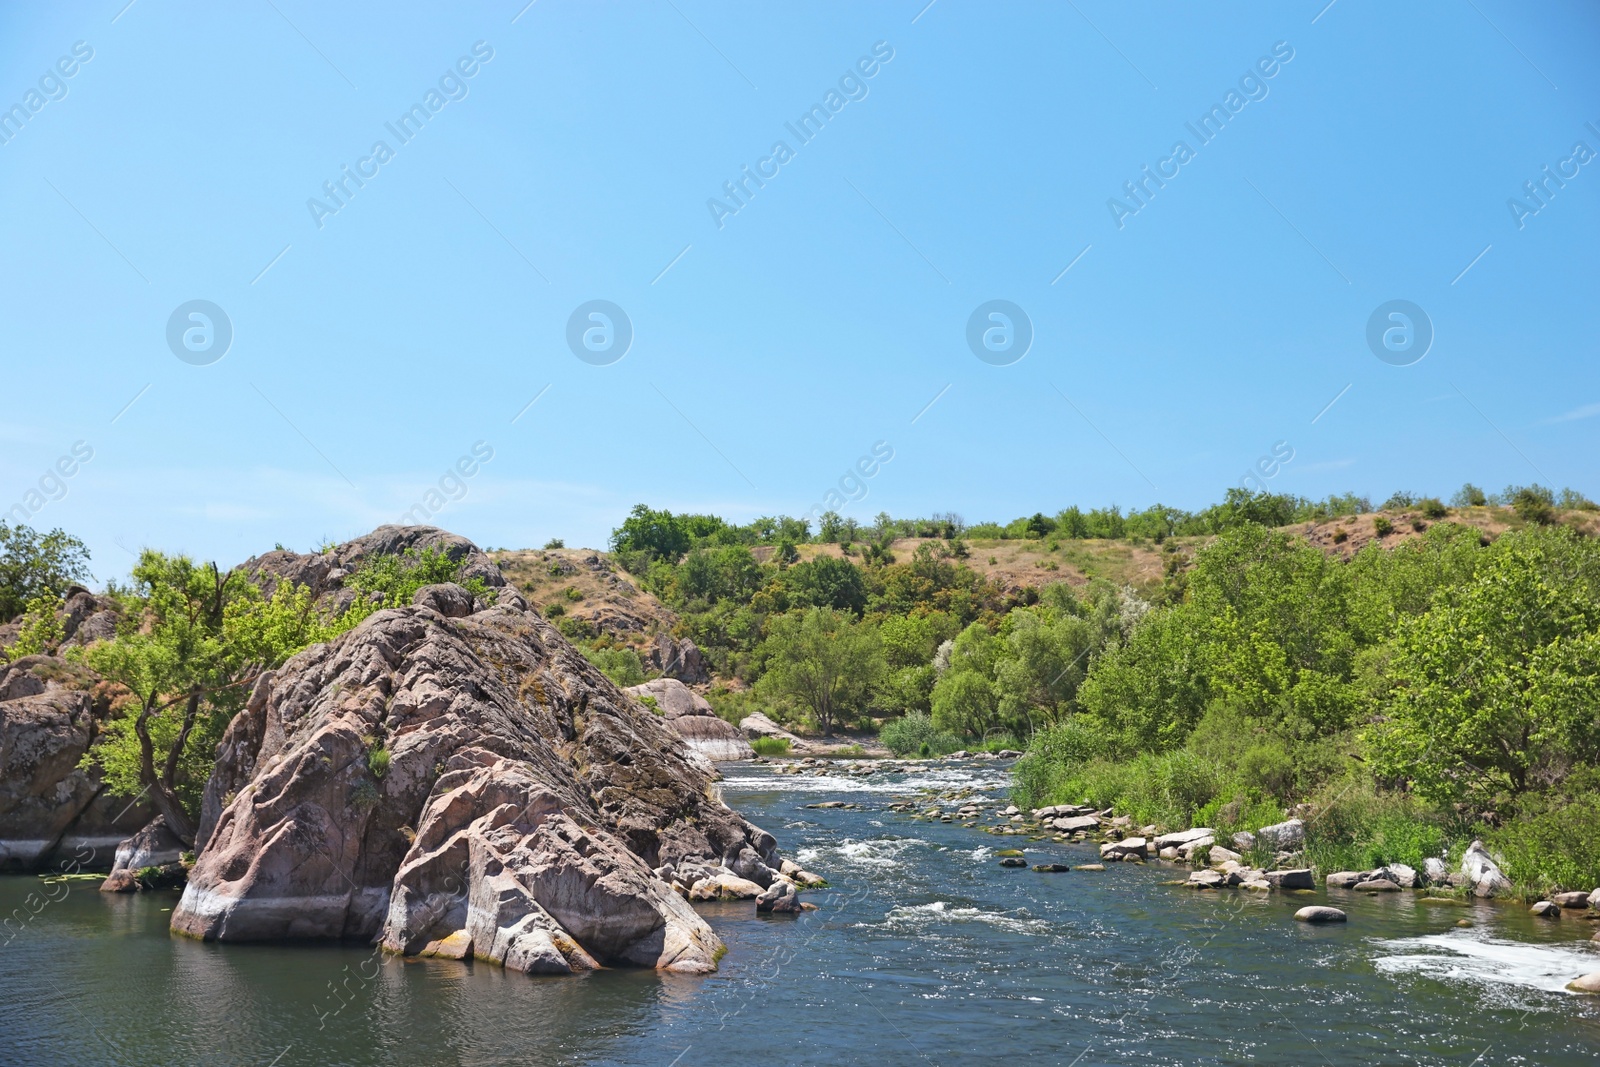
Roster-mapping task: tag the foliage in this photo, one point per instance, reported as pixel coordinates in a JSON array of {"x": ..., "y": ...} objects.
[
  {"x": 395, "y": 579},
  {"x": 41, "y": 629},
  {"x": 621, "y": 665},
  {"x": 822, "y": 661},
  {"x": 914, "y": 734},
  {"x": 771, "y": 746},
  {"x": 34, "y": 565}
]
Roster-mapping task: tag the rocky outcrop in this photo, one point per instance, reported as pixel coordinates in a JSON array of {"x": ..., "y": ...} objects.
[
  {"x": 691, "y": 715},
  {"x": 677, "y": 658},
  {"x": 52, "y": 812},
  {"x": 151, "y": 857},
  {"x": 459, "y": 785},
  {"x": 324, "y": 573},
  {"x": 758, "y": 725}
]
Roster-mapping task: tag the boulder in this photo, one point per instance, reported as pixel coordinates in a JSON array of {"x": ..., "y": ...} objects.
[
  {"x": 1244, "y": 840},
  {"x": 1435, "y": 872},
  {"x": 1588, "y": 983},
  {"x": 1546, "y": 909},
  {"x": 1183, "y": 837},
  {"x": 713, "y": 738},
  {"x": 1482, "y": 873},
  {"x": 1402, "y": 876},
  {"x": 1207, "y": 879},
  {"x": 1317, "y": 914},
  {"x": 1288, "y": 835},
  {"x": 519, "y": 817},
  {"x": 673, "y": 698},
  {"x": 153, "y": 846},
  {"x": 1056, "y": 811},
  {"x": 1376, "y": 885},
  {"x": 1594, "y": 900},
  {"x": 780, "y": 898},
  {"x": 1013, "y": 861},
  {"x": 1573, "y": 901},
  {"x": 675, "y": 658},
  {"x": 1222, "y": 855},
  {"x": 1127, "y": 849},
  {"x": 1073, "y": 823},
  {"x": 1298, "y": 878},
  {"x": 725, "y": 886},
  {"x": 447, "y": 598},
  {"x": 1344, "y": 879}
]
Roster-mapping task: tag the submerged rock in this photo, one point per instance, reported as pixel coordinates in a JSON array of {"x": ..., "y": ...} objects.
[
  {"x": 459, "y": 786},
  {"x": 1320, "y": 914},
  {"x": 1546, "y": 909}
]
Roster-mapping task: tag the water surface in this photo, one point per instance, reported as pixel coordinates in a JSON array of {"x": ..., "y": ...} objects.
[{"x": 925, "y": 950}]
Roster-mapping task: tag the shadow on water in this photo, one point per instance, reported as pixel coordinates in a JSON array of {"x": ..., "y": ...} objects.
[{"x": 924, "y": 950}]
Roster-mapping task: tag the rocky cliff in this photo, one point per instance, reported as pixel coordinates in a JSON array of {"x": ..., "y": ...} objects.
[
  {"x": 455, "y": 779},
  {"x": 51, "y": 812}
]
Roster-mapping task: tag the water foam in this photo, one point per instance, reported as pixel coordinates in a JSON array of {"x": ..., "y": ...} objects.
[
  {"x": 918, "y": 916},
  {"x": 1465, "y": 955}
]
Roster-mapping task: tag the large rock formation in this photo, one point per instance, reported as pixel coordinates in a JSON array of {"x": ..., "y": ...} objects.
[
  {"x": 51, "y": 812},
  {"x": 692, "y": 716},
  {"x": 456, "y": 780}
]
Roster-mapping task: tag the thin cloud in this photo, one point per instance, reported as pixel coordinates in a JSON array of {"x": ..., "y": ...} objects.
[{"x": 1588, "y": 411}]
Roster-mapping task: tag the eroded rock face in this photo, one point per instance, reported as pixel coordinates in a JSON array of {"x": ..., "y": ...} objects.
[
  {"x": 459, "y": 786},
  {"x": 691, "y": 715},
  {"x": 50, "y": 811}
]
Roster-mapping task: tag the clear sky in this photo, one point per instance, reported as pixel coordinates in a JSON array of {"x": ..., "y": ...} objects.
[{"x": 571, "y": 153}]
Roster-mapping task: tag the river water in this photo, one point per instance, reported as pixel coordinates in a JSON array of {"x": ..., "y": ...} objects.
[{"x": 924, "y": 951}]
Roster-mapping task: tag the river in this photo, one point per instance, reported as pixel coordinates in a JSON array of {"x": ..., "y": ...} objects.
[{"x": 923, "y": 951}]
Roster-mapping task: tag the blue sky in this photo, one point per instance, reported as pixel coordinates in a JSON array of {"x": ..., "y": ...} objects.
[{"x": 372, "y": 347}]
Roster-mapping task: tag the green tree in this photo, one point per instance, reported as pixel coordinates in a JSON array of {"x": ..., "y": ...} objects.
[
  {"x": 36, "y": 565},
  {"x": 822, "y": 661},
  {"x": 194, "y": 642},
  {"x": 1495, "y": 689}
]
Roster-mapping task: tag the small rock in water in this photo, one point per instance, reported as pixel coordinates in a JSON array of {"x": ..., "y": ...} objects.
[
  {"x": 1546, "y": 909},
  {"x": 1463, "y": 922},
  {"x": 1013, "y": 861},
  {"x": 1344, "y": 879},
  {"x": 1009, "y": 852},
  {"x": 1589, "y": 983},
  {"x": 1317, "y": 914},
  {"x": 1051, "y": 868},
  {"x": 1090, "y": 867},
  {"x": 1299, "y": 878},
  {"x": 1376, "y": 885}
]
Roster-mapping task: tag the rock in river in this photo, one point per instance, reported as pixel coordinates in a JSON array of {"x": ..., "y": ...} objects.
[
  {"x": 1300, "y": 878},
  {"x": 1320, "y": 915},
  {"x": 1589, "y": 983},
  {"x": 515, "y": 816},
  {"x": 1482, "y": 873}
]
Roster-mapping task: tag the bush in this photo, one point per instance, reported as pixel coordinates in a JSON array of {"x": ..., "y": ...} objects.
[
  {"x": 378, "y": 761},
  {"x": 1382, "y": 526},
  {"x": 1432, "y": 507},
  {"x": 554, "y": 542},
  {"x": 621, "y": 665},
  {"x": 1553, "y": 845},
  {"x": 1356, "y": 827},
  {"x": 771, "y": 746},
  {"x": 912, "y": 733}
]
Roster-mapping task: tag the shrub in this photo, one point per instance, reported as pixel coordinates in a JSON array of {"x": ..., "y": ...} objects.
[
  {"x": 771, "y": 746},
  {"x": 1340, "y": 535},
  {"x": 1356, "y": 827},
  {"x": 1432, "y": 507},
  {"x": 912, "y": 733},
  {"x": 378, "y": 761},
  {"x": 621, "y": 665},
  {"x": 572, "y": 593},
  {"x": 1553, "y": 844},
  {"x": 1382, "y": 526},
  {"x": 555, "y": 611},
  {"x": 555, "y": 542}
]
